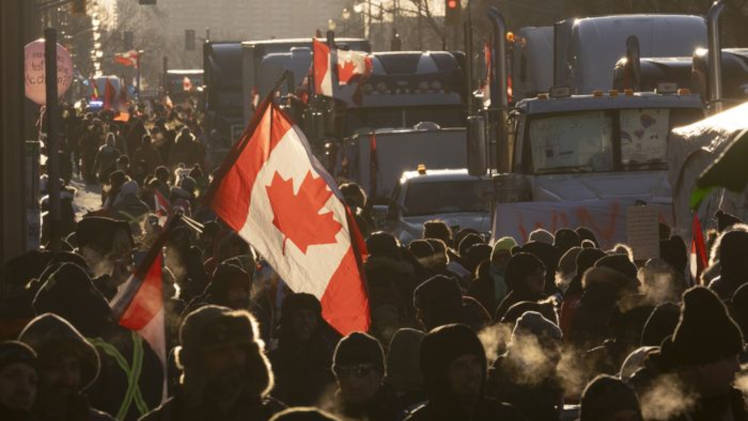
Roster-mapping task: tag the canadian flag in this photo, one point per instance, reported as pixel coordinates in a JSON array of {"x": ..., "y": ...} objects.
[
  {"x": 698, "y": 259},
  {"x": 349, "y": 67},
  {"x": 322, "y": 68},
  {"x": 278, "y": 197},
  {"x": 139, "y": 303},
  {"x": 128, "y": 58},
  {"x": 353, "y": 66},
  {"x": 163, "y": 207}
]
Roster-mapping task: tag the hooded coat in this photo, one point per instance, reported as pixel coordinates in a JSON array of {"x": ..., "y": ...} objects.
[
  {"x": 439, "y": 349},
  {"x": 49, "y": 335},
  {"x": 69, "y": 293},
  {"x": 303, "y": 369}
]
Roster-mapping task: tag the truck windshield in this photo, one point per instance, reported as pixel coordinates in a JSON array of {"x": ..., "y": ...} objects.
[
  {"x": 447, "y": 197},
  {"x": 586, "y": 141},
  {"x": 576, "y": 142}
]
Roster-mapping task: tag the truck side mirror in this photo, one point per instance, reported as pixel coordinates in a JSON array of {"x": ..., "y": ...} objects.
[{"x": 476, "y": 145}]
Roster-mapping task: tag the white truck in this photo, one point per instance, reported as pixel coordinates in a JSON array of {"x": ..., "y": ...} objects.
[
  {"x": 584, "y": 159},
  {"x": 581, "y": 53}
]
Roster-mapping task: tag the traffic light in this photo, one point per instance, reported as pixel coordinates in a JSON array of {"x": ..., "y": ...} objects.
[
  {"x": 452, "y": 9},
  {"x": 79, "y": 7},
  {"x": 189, "y": 39}
]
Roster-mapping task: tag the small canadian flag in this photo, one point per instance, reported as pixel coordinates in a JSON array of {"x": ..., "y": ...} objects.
[
  {"x": 279, "y": 198},
  {"x": 128, "y": 58},
  {"x": 349, "y": 66}
]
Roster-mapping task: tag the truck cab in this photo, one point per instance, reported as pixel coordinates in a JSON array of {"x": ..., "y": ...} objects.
[
  {"x": 582, "y": 159},
  {"x": 451, "y": 195}
]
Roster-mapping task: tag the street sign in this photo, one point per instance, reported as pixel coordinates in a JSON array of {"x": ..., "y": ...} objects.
[{"x": 34, "y": 71}]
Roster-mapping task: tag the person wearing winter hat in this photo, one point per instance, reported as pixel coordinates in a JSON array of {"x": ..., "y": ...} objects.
[
  {"x": 567, "y": 268},
  {"x": 491, "y": 288},
  {"x": 225, "y": 374},
  {"x": 68, "y": 368},
  {"x": 619, "y": 262},
  {"x": 403, "y": 368},
  {"x": 70, "y": 294},
  {"x": 439, "y": 230},
  {"x": 606, "y": 398},
  {"x": 18, "y": 380},
  {"x": 454, "y": 368},
  {"x": 660, "y": 324},
  {"x": 359, "y": 368},
  {"x": 525, "y": 277},
  {"x": 587, "y": 234},
  {"x": 229, "y": 286},
  {"x": 391, "y": 281},
  {"x": 564, "y": 239},
  {"x": 549, "y": 256},
  {"x": 302, "y": 360},
  {"x": 105, "y": 245},
  {"x": 573, "y": 295},
  {"x": 438, "y": 301},
  {"x": 731, "y": 245},
  {"x": 542, "y": 236},
  {"x": 526, "y": 375},
  {"x": 304, "y": 414},
  {"x": 703, "y": 352}
]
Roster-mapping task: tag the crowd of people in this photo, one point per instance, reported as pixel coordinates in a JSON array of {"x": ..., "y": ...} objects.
[{"x": 462, "y": 328}]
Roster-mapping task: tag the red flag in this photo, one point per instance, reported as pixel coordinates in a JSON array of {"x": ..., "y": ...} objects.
[
  {"x": 322, "y": 68},
  {"x": 278, "y": 197},
  {"x": 108, "y": 95},
  {"x": 128, "y": 58},
  {"x": 699, "y": 260},
  {"x": 163, "y": 207},
  {"x": 139, "y": 304}
]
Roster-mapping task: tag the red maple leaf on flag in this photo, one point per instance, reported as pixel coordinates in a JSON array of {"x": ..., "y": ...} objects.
[
  {"x": 346, "y": 71},
  {"x": 297, "y": 215}
]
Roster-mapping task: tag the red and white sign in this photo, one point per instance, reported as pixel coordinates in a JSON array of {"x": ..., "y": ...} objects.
[
  {"x": 322, "y": 68},
  {"x": 279, "y": 198},
  {"x": 128, "y": 58},
  {"x": 34, "y": 71}
]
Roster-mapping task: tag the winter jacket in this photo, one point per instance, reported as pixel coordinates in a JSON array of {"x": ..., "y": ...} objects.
[
  {"x": 105, "y": 161},
  {"x": 486, "y": 410},
  {"x": 178, "y": 408}
]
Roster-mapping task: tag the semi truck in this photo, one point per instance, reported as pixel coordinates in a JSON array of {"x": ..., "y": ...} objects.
[{"x": 566, "y": 159}]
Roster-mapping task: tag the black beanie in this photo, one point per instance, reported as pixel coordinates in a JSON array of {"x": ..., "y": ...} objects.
[
  {"x": 673, "y": 252},
  {"x": 438, "y": 292},
  {"x": 519, "y": 267},
  {"x": 421, "y": 249},
  {"x": 14, "y": 352},
  {"x": 98, "y": 232},
  {"x": 382, "y": 244},
  {"x": 359, "y": 348},
  {"x": 467, "y": 242},
  {"x": 705, "y": 332},
  {"x": 440, "y": 348},
  {"x": 660, "y": 324},
  {"x": 587, "y": 258},
  {"x": 564, "y": 239},
  {"x": 620, "y": 263},
  {"x": 606, "y": 395},
  {"x": 213, "y": 325}
]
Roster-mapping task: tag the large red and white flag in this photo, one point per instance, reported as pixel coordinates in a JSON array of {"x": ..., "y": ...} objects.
[
  {"x": 322, "y": 62},
  {"x": 128, "y": 58},
  {"x": 162, "y": 205},
  {"x": 278, "y": 197}
]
